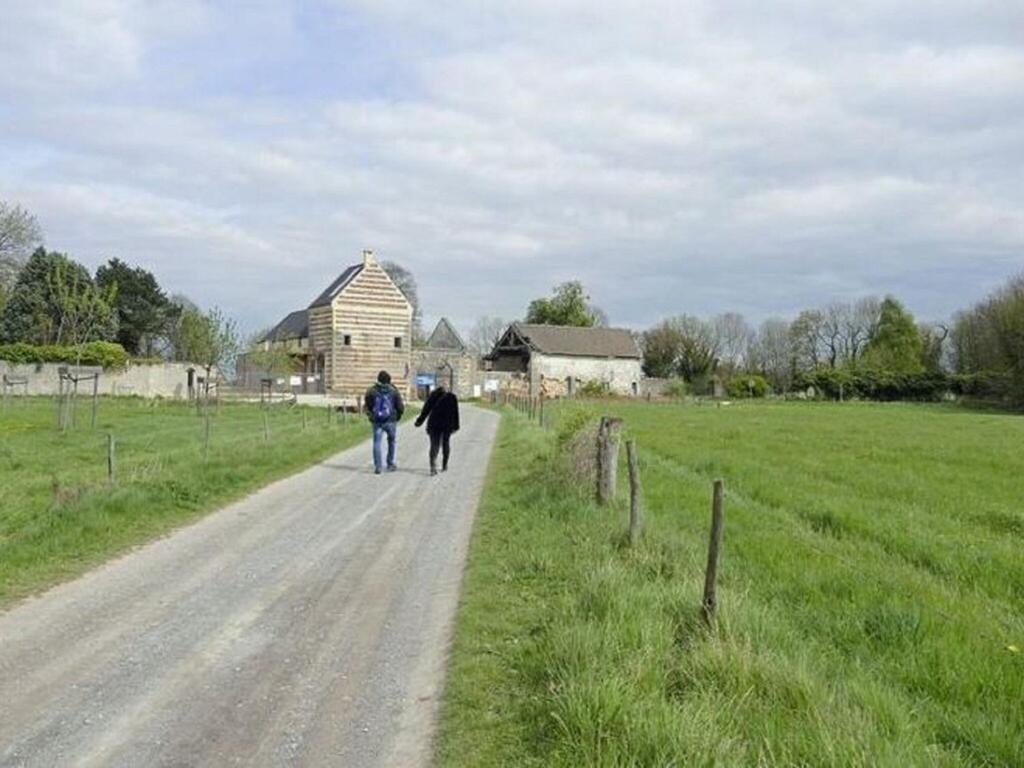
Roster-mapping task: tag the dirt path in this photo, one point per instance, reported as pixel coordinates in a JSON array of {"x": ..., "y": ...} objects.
[{"x": 305, "y": 625}]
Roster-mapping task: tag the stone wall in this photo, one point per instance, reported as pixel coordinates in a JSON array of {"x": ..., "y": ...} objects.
[
  {"x": 465, "y": 366},
  {"x": 622, "y": 376},
  {"x": 169, "y": 380}
]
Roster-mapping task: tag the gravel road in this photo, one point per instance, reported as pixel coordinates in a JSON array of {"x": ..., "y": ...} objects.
[{"x": 305, "y": 625}]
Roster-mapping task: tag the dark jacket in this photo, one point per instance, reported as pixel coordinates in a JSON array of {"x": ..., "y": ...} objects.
[
  {"x": 371, "y": 395},
  {"x": 441, "y": 412}
]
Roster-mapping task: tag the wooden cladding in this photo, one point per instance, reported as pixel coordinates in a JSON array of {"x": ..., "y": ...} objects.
[{"x": 366, "y": 329}]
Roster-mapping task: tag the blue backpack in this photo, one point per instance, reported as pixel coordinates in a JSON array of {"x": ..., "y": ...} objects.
[{"x": 383, "y": 407}]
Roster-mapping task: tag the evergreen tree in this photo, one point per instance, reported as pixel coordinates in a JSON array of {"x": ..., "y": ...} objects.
[
  {"x": 33, "y": 313},
  {"x": 143, "y": 310},
  {"x": 896, "y": 343}
]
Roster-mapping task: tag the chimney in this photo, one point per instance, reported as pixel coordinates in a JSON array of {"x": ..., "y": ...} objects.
[{"x": 368, "y": 258}]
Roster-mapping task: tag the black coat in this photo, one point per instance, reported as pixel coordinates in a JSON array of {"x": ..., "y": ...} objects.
[{"x": 441, "y": 412}]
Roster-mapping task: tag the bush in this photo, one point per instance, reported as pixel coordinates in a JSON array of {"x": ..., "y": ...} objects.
[
  {"x": 103, "y": 353},
  {"x": 748, "y": 385},
  {"x": 873, "y": 384},
  {"x": 676, "y": 388},
  {"x": 594, "y": 388}
]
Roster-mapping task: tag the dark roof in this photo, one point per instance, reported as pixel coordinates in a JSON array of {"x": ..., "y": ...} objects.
[
  {"x": 294, "y": 326},
  {"x": 445, "y": 337},
  {"x": 579, "y": 342},
  {"x": 329, "y": 295}
]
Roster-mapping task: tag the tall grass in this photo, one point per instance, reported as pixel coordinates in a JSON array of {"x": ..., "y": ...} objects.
[
  {"x": 871, "y": 591},
  {"x": 59, "y": 515}
]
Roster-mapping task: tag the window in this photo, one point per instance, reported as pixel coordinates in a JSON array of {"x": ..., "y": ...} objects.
[
  {"x": 347, "y": 340},
  {"x": 398, "y": 342}
]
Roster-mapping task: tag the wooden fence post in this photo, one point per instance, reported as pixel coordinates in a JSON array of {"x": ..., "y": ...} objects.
[
  {"x": 711, "y": 575},
  {"x": 540, "y": 402},
  {"x": 206, "y": 437},
  {"x": 636, "y": 521},
  {"x": 328, "y": 414},
  {"x": 607, "y": 459},
  {"x": 111, "y": 447},
  {"x": 266, "y": 427}
]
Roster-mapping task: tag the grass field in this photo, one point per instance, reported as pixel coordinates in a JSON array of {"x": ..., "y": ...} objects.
[
  {"x": 59, "y": 516},
  {"x": 871, "y": 596}
]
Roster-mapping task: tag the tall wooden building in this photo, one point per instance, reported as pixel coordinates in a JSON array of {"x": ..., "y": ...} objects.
[{"x": 361, "y": 324}]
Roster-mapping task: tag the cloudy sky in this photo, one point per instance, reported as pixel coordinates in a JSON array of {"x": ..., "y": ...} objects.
[{"x": 675, "y": 156}]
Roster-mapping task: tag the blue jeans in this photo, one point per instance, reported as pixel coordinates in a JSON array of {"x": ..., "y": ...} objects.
[{"x": 390, "y": 429}]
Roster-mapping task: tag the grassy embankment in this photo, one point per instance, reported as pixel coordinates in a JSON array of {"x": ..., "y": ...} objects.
[
  {"x": 59, "y": 516},
  {"x": 871, "y": 596}
]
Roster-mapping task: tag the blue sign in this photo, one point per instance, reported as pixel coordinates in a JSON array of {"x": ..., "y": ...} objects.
[{"x": 426, "y": 380}]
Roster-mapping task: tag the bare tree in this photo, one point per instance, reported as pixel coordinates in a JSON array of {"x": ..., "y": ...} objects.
[
  {"x": 732, "y": 335},
  {"x": 772, "y": 353},
  {"x": 19, "y": 235},
  {"x": 486, "y": 332},
  {"x": 406, "y": 282}
]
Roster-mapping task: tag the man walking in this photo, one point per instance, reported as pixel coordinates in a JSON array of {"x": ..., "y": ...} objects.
[
  {"x": 384, "y": 407},
  {"x": 441, "y": 412}
]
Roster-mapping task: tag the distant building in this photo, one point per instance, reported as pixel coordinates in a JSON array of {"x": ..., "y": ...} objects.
[
  {"x": 359, "y": 325},
  {"x": 446, "y": 359},
  {"x": 556, "y": 360}
]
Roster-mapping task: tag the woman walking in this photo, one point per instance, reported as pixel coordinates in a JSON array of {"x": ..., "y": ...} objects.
[{"x": 441, "y": 412}]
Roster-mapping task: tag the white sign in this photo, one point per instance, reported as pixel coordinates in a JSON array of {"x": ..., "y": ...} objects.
[{"x": 491, "y": 385}]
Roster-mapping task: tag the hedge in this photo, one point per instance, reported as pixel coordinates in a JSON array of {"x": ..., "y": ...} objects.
[
  {"x": 876, "y": 385},
  {"x": 103, "y": 353}
]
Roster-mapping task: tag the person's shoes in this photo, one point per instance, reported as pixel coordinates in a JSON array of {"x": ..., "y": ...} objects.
[
  {"x": 433, "y": 471},
  {"x": 393, "y": 468},
  {"x": 444, "y": 469},
  {"x": 376, "y": 471}
]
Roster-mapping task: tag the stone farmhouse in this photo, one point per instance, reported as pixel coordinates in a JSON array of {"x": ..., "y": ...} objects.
[
  {"x": 556, "y": 360},
  {"x": 360, "y": 324}
]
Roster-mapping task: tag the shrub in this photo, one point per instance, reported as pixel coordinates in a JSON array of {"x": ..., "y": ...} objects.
[
  {"x": 748, "y": 385},
  {"x": 874, "y": 384},
  {"x": 676, "y": 388},
  {"x": 103, "y": 353},
  {"x": 594, "y": 388}
]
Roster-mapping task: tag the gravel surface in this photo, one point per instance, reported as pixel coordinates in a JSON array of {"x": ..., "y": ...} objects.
[{"x": 308, "y": 624}]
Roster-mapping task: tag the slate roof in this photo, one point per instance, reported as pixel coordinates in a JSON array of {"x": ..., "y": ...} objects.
[
  {"x": 445, "y": 336},
  {"x": 579, "y": 342},
  {"x": 294, "y": 326},
  {"x": 329, "y": 295}
]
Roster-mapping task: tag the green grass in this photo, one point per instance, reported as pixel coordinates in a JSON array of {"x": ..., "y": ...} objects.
[
  {"x": 872, "y": 580},
  {"x": 59, "y": 516}
]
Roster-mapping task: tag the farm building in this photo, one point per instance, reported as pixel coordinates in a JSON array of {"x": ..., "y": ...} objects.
[
  {"x": 359, "y": 325},
  {"x": 556, "y": 360},
  {"x": 447, "y": 360}
]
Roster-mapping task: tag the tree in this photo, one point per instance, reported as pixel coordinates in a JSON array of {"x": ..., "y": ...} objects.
[
  {"x": 896, "y": 343},
  {"x": 486, "y": 333},
  {"x": 933, "y": 345},
  {"x": 805, "y": 339},
  {"x": 143, "y": 310},
  {"x": 771, "y": 353},
  {"x": 33, "y": 314},
  {"x": 661, "y": 346},
  {"x": 20, "y": 234},
  {"x": 698, "y": 350},
  {"x": 406, "y": 282},
  {"x": 83, "y": 308},
  {"x": 271, "y": 360},
  {"x": 732, "y": 335},
  {"x": 208, "y": 339},
  {"x": 568, "y": 305}
]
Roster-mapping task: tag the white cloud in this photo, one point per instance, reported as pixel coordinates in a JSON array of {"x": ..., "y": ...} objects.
[{"x": 696, "y": 156}]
